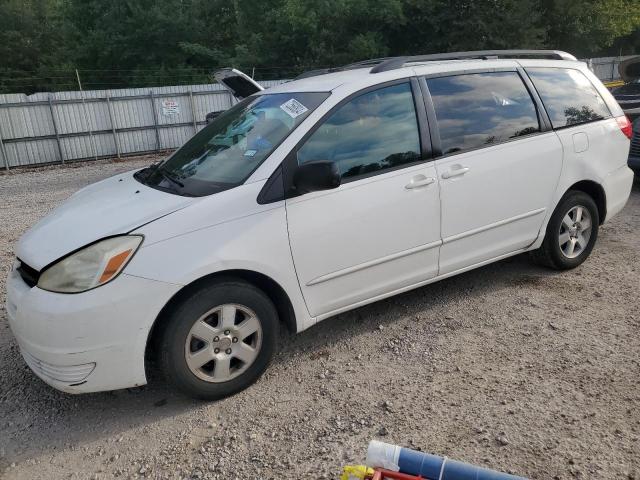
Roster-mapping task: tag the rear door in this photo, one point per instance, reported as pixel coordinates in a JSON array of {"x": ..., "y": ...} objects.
[{"x": 498, "y": 167}]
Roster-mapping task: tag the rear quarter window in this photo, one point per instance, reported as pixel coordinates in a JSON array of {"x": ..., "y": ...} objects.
[{"x": 569, "y": 96}]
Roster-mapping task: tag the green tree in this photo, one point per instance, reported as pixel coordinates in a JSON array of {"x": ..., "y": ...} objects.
[
  {"x": 588, "y": 26},
  {"x": 29, "y": 34},
  {"x": 454, "y": 25},
  {"x": 124, "y": 42},
  {"x": 164, "y": 42},
  {"x": 308, "y": 33}
]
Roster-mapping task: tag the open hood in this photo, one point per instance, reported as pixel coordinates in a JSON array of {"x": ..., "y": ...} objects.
[
  {"x": 239, "y": 84},
  {"x": 630, "y": 69}
]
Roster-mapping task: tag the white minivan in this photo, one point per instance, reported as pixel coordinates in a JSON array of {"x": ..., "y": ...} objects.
[{"x": 310, "y": 199}]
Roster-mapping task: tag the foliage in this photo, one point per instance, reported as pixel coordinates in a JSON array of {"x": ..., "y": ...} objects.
[
  {"x": 158, "y": 42},
  {"x": 590, "y": 26}
]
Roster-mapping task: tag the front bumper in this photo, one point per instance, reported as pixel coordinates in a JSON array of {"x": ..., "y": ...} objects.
[{"x": 86, "y": 342}]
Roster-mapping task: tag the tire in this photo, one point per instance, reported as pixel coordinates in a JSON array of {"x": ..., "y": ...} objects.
[
  {"x": 551, "y": 253},
  {"x": 207, "y": 312}
]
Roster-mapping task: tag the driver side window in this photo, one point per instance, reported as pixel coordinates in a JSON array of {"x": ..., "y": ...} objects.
[{"x": 374, "y": 132}]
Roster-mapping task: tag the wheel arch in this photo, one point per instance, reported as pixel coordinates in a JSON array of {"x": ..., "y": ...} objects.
[
  {"x": 595, "y": 191},
  {"x": 270, "y": 287}
]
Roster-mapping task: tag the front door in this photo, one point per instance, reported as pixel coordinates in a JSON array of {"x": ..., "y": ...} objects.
[{"x": 380, "y": 230}]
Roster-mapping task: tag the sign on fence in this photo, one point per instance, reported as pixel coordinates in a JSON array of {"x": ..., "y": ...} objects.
[{"x": 170, "y": 108}]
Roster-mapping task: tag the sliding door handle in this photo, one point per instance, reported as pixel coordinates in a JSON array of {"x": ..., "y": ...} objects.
[{"x": 455, "y": 172}]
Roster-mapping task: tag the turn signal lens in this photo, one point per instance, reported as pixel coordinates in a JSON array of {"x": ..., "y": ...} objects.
[
  {"x": 113, "y": 266},
  {"x": 625, "y": 126},
  {"x": 90, "y": 267}
]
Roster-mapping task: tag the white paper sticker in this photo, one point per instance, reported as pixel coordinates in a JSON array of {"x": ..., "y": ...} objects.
[
  {"x": 170, "y": 108},
  {"x": 294, "y": 108},
  {"x": 250, "y": 153}
]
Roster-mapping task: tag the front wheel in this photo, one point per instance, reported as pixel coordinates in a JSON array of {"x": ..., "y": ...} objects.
[
  {"x": 571, "y": 233},
  {"x": 219, "y": 339}
]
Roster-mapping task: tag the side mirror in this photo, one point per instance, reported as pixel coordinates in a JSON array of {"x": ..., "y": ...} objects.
[{"x": 316, "y": 176}]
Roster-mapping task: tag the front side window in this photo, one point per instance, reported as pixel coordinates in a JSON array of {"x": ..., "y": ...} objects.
[
  {"x": 568, "y": 95},
  {"x": 227, "y": 151},
  {"x": 374, "y": 132},
  {"x": 481, "y": 109}
]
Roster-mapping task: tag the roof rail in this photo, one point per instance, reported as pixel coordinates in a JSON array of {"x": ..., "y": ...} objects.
[
  {"x": 394, "y": 63},
  {"x": 315, "y": 73},
  {"x": 322, "y": 71}
]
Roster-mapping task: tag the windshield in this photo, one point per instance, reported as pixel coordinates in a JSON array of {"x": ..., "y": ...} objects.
[{"x": 228, "y": 150}]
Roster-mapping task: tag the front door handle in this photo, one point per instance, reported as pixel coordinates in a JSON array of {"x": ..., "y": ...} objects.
[
  {"x": 419, "y": 181},
  {"x": 455, "y": 172}
]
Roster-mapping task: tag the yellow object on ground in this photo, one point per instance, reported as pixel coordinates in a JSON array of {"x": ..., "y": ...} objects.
[
  {"x": 614, "y": 83},
  {"x": 356, "y": 472}
]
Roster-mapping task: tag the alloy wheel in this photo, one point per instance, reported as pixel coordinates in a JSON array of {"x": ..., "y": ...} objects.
[
  {"x": 223, "y": 343},
  {"x": 575, "y": 231}
]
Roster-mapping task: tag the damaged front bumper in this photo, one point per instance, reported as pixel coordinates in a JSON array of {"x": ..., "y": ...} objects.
[{"x": 86, "y": 342}]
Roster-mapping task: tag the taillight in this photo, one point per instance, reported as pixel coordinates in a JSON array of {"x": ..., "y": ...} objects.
[{"x": 625, "y": 126}]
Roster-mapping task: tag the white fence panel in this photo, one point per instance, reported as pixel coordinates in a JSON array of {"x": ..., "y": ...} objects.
[
  {"x": 69, "y": 126},
  {"x": 606, "y": 68}
]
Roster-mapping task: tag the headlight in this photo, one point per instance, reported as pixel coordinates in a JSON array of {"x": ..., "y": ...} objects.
[{"x": 90, "y": 267}]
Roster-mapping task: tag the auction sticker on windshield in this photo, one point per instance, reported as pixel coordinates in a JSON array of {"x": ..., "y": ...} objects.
[{"x": 293, "y": 108}]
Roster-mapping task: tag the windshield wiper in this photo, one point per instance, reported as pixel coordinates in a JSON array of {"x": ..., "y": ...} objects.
[{"x": 169, "y": 176}]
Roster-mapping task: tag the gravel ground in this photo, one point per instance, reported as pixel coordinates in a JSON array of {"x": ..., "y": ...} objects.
[{"x": 510, "y": 366}]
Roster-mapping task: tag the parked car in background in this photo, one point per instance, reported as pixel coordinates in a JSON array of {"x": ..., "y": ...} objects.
[
  {"x": 628, "y": 96},
  {"x": 634, "y": 152},
  {"x": 313, "y": 198}
]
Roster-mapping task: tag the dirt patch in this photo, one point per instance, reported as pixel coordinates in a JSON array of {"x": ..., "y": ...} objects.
[{"x": 510, "y": 366}]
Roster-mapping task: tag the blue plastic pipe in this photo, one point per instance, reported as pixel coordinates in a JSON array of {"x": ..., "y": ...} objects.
[{"x": 430, "y": 467}]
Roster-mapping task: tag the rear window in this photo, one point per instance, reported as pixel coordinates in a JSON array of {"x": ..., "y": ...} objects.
[
  {"x": 569, "y": 97},
  {"x": 481, "y": 109}
]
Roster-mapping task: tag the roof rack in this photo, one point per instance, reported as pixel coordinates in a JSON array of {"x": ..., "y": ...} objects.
[
  {"x": 392, "y": 63},
  {"x": 399, "y": 62},
  {"x": 352, "y": 66}
]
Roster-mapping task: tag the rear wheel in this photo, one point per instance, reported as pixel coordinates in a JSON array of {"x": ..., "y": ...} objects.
[
  {"x": 219, "y": 339},
  {"x": 571, "y": 233}
]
